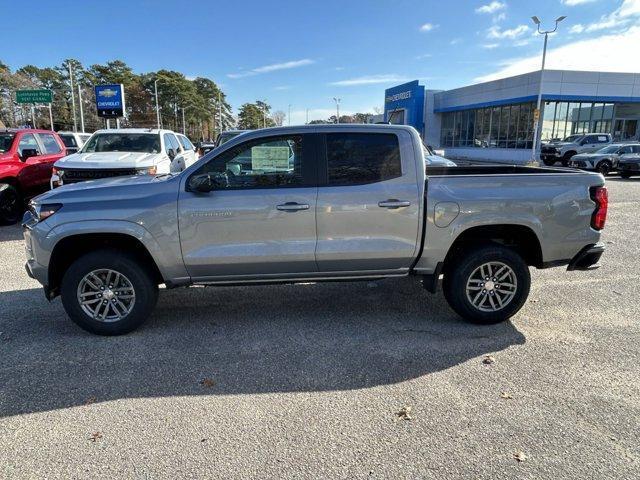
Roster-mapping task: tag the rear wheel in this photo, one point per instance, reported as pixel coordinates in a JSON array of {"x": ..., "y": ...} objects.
[
  {"x": 10, "y": 204},
  {"x": 108, "y": 292},
  {"x": 489, "y": 284},
  {"x": 625, "y": 175}
]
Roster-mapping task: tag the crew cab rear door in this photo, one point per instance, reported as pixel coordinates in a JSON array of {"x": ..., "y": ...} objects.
[
  {"x": 368, "y": 202},
  {"x": 260, "y": 218}
]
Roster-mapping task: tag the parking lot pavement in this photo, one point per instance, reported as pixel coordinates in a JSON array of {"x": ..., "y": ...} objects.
[{"x": 307, "y": 381}]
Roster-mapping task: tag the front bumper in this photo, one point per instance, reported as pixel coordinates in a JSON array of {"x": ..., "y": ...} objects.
[{"x": 587, "y": 258}]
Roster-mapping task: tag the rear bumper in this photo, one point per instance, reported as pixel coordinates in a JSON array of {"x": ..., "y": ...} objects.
[{"x": 587, "y": 258}]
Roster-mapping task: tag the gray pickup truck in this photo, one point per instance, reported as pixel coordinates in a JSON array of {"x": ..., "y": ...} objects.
[{"x": 312, "y": 203}]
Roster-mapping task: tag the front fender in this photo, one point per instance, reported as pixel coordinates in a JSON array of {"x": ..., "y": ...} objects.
[{"x": 170, "y": 268}]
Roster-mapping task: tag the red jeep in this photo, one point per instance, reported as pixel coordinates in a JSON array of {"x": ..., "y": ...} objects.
[{"x": 26, "y": 159}]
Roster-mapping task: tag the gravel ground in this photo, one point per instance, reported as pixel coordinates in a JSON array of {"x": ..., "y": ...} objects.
[{"x": 308, "y": 381}]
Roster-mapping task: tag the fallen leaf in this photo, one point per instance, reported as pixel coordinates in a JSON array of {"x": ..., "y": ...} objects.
[
  {"x": 488, "y": 360},
  {"x": 90, "y": 400},
  {"x": 207, "y": 382},
  {"x": 519, "y": 456},
  {"x": 506, "y": 395},
  {"x": 404, "y": 413},
  {"x": 95, "y": 436},
  {"x": 617, "y": 293}
]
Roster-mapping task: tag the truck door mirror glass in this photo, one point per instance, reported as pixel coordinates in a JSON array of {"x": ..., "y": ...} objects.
[
  {"x": 28, "y": 153},
  {"x": 201, "y": 183},
  {"x": 171, "y": 153}
]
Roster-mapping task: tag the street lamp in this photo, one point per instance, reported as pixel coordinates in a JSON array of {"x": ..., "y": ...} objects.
[
  {"x": 536, "y": 123},
  {"x": 337, "y": 100},
  {"x": 289, "y": 115}
]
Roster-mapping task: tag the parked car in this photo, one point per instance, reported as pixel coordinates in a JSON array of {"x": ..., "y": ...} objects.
[
  {"x": 224, "y": 137},
  {"x": 73, "y": 140},
  {"x": 553, "y": 152},
  {"x": 121, "y": 152},
  {"x": 629, "y": 165},
  {"x": 355, "y": 203},
  {"x": 189, "y": 151},
  {"x": 205, "y": 147},
  {"x": 433, "y": 160},
  {"x": 26, "y": 159},
  {"x": 604, "y": 160}
]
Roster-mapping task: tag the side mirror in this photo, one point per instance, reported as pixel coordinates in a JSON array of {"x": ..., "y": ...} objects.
[
  {"x": 28, "y": 153},
  {"x": 201, "y": 183},
  {"x": 171, "y": 153}
]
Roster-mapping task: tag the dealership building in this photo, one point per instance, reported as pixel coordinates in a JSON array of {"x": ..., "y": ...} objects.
[{"x": 495, "y": 120}]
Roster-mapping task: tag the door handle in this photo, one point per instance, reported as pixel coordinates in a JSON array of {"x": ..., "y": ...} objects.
[
  {"x": 393, "y": 203},
  {"x": 292, "y": 207}
]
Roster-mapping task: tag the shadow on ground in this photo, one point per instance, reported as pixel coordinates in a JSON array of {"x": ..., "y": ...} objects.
[
  {"x": 316, "y": 337},
  {"x": 10, "y": 232}
]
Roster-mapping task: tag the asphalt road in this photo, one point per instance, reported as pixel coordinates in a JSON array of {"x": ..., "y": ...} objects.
[{"x": 307, "y": 381}]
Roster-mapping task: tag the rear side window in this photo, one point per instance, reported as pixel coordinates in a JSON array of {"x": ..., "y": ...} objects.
[
  {"x": 359, "y": 158},
  {"x": 602, "y": 139},
  {"x": 635, "y": 149},
  {"x": 49, "y": 143},
  {"x": 69, "y": 141},
  {"x": 187, "y": 145}
]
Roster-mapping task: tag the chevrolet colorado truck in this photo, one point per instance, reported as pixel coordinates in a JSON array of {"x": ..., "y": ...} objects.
[{"x": 310, "y": 204}]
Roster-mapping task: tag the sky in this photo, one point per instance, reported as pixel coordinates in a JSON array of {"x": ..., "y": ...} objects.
[{"x": 299, "y": 55}]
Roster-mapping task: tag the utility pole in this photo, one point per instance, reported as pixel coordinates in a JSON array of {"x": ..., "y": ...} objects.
[
  {"x": 264, "y": 114},
  {"x": 536, "y": 123},
  {"x": 337, "y": 100},
  {"x": 307, "y": 117},
  {"x": 289, "y": 116},
  {"x": 219, "y": 112},
  {"x": 73, "y": 99},
  {"x": 183, "y": 127},
  {"x": 50, "y": 117},
  {"x": 155, "y": 87},
  {"x": 81, "y": 109}
]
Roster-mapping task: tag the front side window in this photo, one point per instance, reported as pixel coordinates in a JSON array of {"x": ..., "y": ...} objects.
[
  {"x": 28, "y": 142},
  {"x": 123, "y": 142},
  {"x": 360, "y": 158},
  {"x": 264, "y": 163},
  {"x": 49, "y": 143}
]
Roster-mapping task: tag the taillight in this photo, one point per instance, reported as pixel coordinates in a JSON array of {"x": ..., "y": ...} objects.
[{"x": 601, "y": 197}]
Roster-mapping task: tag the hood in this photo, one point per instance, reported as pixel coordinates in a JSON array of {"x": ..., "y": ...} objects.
[
  {"x": 558, "y": 144},
  {"x": 630, "y": 158},
  {"x": 73, "y": 189},
  {"x": 109, "y": 160}
]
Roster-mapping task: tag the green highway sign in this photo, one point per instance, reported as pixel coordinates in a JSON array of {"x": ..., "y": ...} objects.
[{"x": 34, "y": 96}]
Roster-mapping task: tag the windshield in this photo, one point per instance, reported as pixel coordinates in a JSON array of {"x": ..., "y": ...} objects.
[
  {"x": 123, "y": 142},
  {"x": 609, "y": 149},
  {"x": 6, "y": 139},
  {"x": 572, "y": 138}
]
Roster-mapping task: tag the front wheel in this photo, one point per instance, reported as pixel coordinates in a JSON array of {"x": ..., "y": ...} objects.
[
  {"x": 489, "y": 284},
  {"x": 108, "y": 292},
  {"x": 604, "y": 167},
  {"x": 625, "y": 175},
  {"x": 10, "y": 204}
]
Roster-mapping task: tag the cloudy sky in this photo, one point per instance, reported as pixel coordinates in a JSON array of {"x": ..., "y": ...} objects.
[{"x": 303, "y": 53}]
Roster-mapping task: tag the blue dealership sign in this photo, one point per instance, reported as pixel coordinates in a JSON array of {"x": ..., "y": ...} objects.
[
  {"x": 404, "y": 105},
  {"x": 110, "y": 100}
]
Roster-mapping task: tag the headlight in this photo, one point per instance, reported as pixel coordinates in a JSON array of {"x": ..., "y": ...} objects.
[
  {"x": 147, "y": 171},
  {"x": 43, "y": 211}
]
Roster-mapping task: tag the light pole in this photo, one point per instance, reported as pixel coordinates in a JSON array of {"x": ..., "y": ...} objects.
[
  {"x": 155, "y": 88},
  {"x": 337, "y": 100},
  {"x": 536, "y": 124},
  {"x": 73, "y": 99},
  {"x": 289, "y": 116}
]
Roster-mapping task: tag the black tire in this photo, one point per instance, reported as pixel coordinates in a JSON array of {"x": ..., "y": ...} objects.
[
  {"x": 144, "y": 288},
  {"x": 11, "y": 206},
  {"x": 625, "y": 175},
  {"x": 549, "y": 163},
  {"x": 566, "y": 157},
  {"x": 458, "y": 275},
  {"x": 604, "y": 167}
]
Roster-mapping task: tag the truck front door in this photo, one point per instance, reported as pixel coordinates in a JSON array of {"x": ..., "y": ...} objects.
[
  {"x": 260, "y": 219},
  {"x": 368, "y": 203}
]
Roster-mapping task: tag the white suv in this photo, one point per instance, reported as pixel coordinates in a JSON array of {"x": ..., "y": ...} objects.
[
  {"x": 562, "y": 151},
  {"x": 125, "y": 151}
]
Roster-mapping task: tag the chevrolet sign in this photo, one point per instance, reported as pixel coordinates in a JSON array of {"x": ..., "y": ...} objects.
[
  {"x": 110, "y": 100},
  {"x": 398, "y": 96}
]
